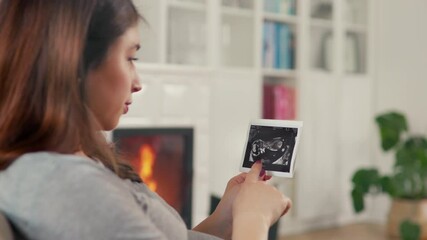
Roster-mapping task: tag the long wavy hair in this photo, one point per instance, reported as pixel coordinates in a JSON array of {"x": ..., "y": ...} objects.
[{"x": 46, "y": 49}]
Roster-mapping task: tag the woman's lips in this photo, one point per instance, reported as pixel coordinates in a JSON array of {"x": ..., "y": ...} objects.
[{"x": 126, "y": 107}]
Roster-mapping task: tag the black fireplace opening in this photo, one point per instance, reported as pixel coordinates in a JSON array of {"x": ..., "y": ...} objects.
[{"x": 163, "y": 157}]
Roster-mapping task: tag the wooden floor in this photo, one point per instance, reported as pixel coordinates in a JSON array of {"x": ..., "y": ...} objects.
[{"x": 350, "y": 232}]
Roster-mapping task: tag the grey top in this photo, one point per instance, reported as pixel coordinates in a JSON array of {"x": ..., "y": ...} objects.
[{"x": 55, "y": 196}]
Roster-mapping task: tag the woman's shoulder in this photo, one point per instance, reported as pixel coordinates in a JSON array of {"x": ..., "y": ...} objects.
[
  {"x": 64, "y": 195},
  {"x": 43, "y": 164},
  {"x": 51, "y": 172},
  {"x": 52, "y": 159}
]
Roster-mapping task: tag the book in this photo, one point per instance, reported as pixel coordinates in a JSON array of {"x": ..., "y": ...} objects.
[
  {"x": 279, "y": 40},
  {"x": 269, "y": 44},
  {"x": 284, "y": 47},
  {"x": 284, "y": 102},
  {"x": 267, "y": 101},
  {"x": 279, "y": 102}
]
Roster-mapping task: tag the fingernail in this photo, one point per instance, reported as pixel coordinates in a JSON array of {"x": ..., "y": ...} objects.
[{"x": 262, "y": 173}]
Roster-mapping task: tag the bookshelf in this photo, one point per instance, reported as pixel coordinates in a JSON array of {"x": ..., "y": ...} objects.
[
  {"x": 237, "y": 12},
  {"x": 237, "y": 31},
  {"x": 356, "y": 36},
  {"x": 175, "y": 32},
  {"x": 275, "y": 17},
  {"x": 279, "y": 73},
  {"x": 186, "y": 42},
  {"x": 322, "y": 39},
  {"x": 225, "y": 34},
  {"x": 323, "y": 56},
  {"x": 331, "y": 48},
  {"x": 197, "y": 6},
  {"x": 342, "y": 24},
  {"x": 327, "y": 38},
  {"x": 280, "y": 25},
  {"x": 359, "y": 28},
  {"x": 335, "y": 72}
]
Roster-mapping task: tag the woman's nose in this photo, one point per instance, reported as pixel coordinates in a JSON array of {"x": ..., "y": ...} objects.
[{"x": 136, "y": 87}]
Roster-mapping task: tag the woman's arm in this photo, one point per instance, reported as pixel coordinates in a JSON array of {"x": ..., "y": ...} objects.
[
  {"x": 220, "y": 222},
  {"x": 247, "y": 209},
  {"x": 257, "y": 206}
]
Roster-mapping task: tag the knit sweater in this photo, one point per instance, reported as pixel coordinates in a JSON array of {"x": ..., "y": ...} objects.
[{"x": 55, "y": 196}]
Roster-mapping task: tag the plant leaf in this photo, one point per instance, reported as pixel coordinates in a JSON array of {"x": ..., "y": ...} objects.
[
  {"x": 406, "y": 157},
  {"x": 403, "y": 183},
  {"x": 409, "y": 230},
  {"x": 388, "y": 186},
  {"x": 391, "y": 125},
  {"x": 412, "y": 154},
  {"x": 418, "y": 146},
  {"x": 365, "y": 179},
  {"x": 416, "y": 142},
  {"x": 358, "y": 202}
]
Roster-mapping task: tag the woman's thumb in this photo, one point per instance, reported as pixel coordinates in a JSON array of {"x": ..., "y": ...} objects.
[{"x": 253, "y": 175}]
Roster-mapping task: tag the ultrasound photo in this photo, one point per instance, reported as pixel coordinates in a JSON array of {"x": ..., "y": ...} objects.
[{"x": 272, "y": 145}]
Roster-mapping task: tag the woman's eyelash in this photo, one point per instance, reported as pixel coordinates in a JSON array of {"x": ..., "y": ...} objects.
[{"x": 133, "y": 59}]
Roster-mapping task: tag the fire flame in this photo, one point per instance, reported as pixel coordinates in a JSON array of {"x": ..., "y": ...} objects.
[{"x": 147, "y": 160}]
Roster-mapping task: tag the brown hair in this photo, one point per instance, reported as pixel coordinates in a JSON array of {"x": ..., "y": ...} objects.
[{"x": 46, "y": 49}]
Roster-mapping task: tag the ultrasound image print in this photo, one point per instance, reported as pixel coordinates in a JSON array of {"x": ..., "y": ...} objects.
[{"x": 272, "y": 145}]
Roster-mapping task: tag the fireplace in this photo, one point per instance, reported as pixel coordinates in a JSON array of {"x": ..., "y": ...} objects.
[{"x": 163, "y": 157}]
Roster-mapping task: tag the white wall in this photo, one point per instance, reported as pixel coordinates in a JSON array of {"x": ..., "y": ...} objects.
[{"x": 401, "y": 80}]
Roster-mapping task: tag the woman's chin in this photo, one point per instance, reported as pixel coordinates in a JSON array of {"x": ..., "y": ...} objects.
[{"x": 109, "y": 126}]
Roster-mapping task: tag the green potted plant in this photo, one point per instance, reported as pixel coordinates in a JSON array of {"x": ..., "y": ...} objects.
[{"x": 406, "y": 184}]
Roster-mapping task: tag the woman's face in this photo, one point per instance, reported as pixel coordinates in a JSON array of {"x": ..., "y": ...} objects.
[{"x": 111, "y": 84}]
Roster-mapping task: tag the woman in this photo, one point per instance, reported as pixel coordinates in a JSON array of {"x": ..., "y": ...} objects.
[{"x": 67, "y": 73}]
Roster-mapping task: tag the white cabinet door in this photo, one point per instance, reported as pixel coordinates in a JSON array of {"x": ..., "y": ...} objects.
[
  {"x": 317, "y": 172},
  {"x": 236, "y": 99},
  {"x": 357, "y": 134}
]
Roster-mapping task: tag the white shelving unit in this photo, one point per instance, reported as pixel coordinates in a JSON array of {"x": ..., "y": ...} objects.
[
  {"x": 279, "y": 73},
  {"x": 180, "y": 33},
  {"x": 336, "y": 66},
  {"x": 332, "y": 56},
  {"x": 237, "y": 31},
  {"x": 187, "y": 5},
  {"x": 321, "y": 23},
  {"x": 360, "y": 28},
  {"x": 237, "y": 12},
  {"x": 276, "y": 17}
]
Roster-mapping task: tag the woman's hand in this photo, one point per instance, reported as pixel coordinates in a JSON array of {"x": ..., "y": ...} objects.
[
  {"x": 224, "y": 210},
  {"x": 256, "y": 206},
  {"x": 221, "y": 221}
]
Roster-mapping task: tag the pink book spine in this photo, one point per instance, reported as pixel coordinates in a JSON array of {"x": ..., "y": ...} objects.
[
  {"x": 280, "y": 102},
  {"x": 291, "y": 103},
  {"x": 284, "y": 102},
  {"x": 267, "y": 102}
]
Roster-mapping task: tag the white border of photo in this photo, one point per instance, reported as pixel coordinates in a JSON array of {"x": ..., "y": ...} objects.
[{"x": 275, "y": 123}]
